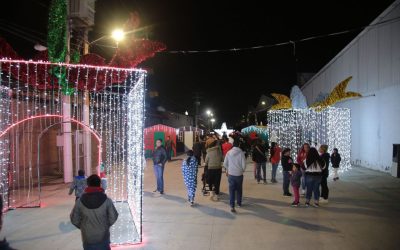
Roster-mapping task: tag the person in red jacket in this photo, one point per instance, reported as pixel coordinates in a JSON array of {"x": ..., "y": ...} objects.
[
  {"x": 226, "y": 146},
  {"x": 275, "y": 159}
]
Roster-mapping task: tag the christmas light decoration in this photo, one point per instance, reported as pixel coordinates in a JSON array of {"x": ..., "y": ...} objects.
[
  {"x": 331, "y": 126},
  {"x": 261, "y": 131},
  {"x": 224, "y": 129},
  {"x": 31, "y": 102}
]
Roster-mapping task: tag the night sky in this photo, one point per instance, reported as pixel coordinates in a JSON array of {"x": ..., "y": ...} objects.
[{"x": 228, "y": 81}]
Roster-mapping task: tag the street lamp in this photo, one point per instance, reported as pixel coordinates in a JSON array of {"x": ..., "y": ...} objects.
[
  {"x": 208, "y": 112},
  {"x": 212, "y": 123},
  {"x": 118, "y": 35}
]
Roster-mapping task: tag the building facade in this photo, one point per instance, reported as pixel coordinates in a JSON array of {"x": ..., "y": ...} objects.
[{"x": 373, "y": 59}]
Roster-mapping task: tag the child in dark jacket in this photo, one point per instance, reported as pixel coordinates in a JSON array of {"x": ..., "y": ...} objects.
[
  {"x": 295, "y": 181},
  {"x": 286, "y": 162},
  {"x": 335, "y": 160}
]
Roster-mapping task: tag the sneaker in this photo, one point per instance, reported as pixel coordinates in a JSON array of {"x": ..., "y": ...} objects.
[
  {"x": 155, "y": 191},
  {"x": 258, "y": 182},
  {"x": 265, "y": 182},
  {"x": 295, "y": 204},
  {"x": 161, "y": 192},
  {"x": 307, "y": 204},
  {"x": 287, "y": 195},
  {"x": 192, "y": 203},
  {"x": 303, "y": 192},
  {"x": 239, "y": 205},
  {"x": 316, "y": 204},
  {"x": 233, "y": 210},
  {"x": 322, "y": 200}
]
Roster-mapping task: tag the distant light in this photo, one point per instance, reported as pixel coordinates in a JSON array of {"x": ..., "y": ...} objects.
[
  {"x": 211, "y": 114},
  {"x": 262, "y": 103},
  {"x": 212, "y": 120},
  {"x": 186, "y": 113},
  {"x": 208, "y": 112},
  {"x": 118, "y": 35}
]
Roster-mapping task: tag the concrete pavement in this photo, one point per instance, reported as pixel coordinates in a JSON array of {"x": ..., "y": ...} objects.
[{"x": 363, "y": 213}]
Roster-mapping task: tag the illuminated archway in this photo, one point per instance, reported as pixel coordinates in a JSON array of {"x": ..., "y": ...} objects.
[{"x": 72, "y": 120}]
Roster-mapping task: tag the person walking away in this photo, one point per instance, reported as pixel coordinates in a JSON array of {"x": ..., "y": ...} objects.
[
  {"x": 79, "y": 184},
  {"x": 203, "y": 148},
  {"x": 314, "y": 165},
  {"x": 94, "y": 213},
  {"x": 275, "y": 158},
  {"x": 159, "y": 160},
  {"x": 197, "y": 150},
  {"x": 235, "y": 165},
  {"x": 189, "y": 172},
  {"x": 260, "y": 160},
  {"x": 335, "y": 160},
  {"x": 226, "y": 146},
  {"x": 169, "y": 148},
  {"x": 214, "y": 169},
  {"x": 295, "y": 180},
  {"x": 286, "y": 162},
  {"x": 301, "y": 157},
  {"x": 324, "y": 195}
]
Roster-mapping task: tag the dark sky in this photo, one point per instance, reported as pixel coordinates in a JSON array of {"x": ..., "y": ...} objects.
[{"x": 228, "y": 81}]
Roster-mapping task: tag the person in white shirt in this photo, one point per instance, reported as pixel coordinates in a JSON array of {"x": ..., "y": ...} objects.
[{"x": 235, "y": 165}]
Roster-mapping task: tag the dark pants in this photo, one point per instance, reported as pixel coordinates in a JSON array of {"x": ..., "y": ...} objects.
[
  {"x": 324, "y": 187},
  {"x": 286, "y": 182},
  {"x": 214, "y": 179},
  {"x": 260, "y": 166},
  {"x": 235, "y": 186},
  {"x": 98, "y": 246},
  {"x": 169, "y": 152}
]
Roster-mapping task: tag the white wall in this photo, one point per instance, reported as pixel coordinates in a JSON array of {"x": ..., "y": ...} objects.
[{"x": 373, "y": 59}]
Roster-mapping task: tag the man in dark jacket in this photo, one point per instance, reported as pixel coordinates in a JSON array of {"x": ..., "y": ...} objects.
[
  {"x": 260, "y": 160},
  {"x": 94, "y": 214},
  {"x": 159, "y": 160}
]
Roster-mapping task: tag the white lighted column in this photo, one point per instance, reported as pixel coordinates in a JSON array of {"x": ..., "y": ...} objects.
[
  {"x": 87, "y": 143},
  {"x": 67, "y": 140}
]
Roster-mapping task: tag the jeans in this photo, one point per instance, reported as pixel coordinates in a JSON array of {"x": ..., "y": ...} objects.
[
  {"x": 273, "y": 173},
  {"x": 235, "y": 185},
  {"x": 260, "y": 166},
  {"x": 286, "y": 182},
  {"x": 313, "y": 182},
  {"x": 159, "y": 173},
  {"x": 324, "y": 187},
  {"x": 214, "y": 179},
  {"x": 98, "y": 246},
  {"x": 296, "y": 194}
]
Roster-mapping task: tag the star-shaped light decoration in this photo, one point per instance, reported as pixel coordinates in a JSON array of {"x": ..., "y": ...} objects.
[{"x": 223, "y": 130}]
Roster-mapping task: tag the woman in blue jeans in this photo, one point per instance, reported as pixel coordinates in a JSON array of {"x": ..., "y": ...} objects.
[{"x": 314, "y": 166}]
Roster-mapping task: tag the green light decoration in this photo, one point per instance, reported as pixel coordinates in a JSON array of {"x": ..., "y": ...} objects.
[{"x": 57, "y": 42}]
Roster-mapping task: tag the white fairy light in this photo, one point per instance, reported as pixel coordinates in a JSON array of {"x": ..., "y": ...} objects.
[
  {"x": 331, "y": 126},
  {"x": 116, "y": 117}
]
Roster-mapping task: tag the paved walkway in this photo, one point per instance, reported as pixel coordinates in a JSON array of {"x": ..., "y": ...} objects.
[{"x": 363, "y": 213}]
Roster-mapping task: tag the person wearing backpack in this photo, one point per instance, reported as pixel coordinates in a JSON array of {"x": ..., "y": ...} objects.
[{"x": 260, "y": 160}]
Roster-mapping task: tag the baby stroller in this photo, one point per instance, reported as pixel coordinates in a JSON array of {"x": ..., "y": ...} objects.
[{"x": 204, "y": 178}]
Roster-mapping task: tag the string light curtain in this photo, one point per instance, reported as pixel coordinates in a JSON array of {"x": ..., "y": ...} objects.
[
  {"x": 31, "y": 100},
  {"x": 331, "y": 126}
]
